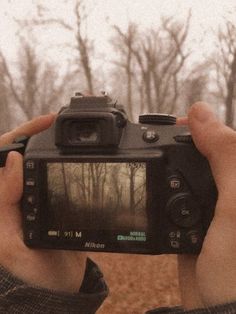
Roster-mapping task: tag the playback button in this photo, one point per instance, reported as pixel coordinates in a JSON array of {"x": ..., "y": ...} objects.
[{"x": 30, "y": 165}]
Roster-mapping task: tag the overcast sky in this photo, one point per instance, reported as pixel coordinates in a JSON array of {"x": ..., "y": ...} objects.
[{"x": 206, "y": 16}]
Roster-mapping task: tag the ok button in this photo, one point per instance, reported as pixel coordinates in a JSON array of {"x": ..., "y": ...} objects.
[{"x": 183, "y": 210}]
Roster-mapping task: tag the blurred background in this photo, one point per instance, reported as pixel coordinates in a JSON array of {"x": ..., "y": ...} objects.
[{"x": 152, "y": 55}]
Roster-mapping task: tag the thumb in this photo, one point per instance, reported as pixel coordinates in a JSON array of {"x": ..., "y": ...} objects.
[
  {"x": 217, "y": 143},
  {"x": 11, "y": 178}
]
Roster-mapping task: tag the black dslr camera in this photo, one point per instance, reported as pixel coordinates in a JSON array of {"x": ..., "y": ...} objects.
[{"x": 94, "y": 181}]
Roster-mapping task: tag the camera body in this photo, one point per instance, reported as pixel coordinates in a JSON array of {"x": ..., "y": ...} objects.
[{"x": 94, "y": 181}]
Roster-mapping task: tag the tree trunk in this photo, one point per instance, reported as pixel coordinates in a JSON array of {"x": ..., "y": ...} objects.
[{"x": 229, "y": 102}]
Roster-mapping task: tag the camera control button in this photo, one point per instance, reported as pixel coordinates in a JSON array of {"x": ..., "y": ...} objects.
[
  {"x": 174, "y": 239},
  {"x": 175, "y": 244},
  {"x": 150, "y": 136},
  {"x": 30, "y": 199},
  {"x": 30, "y": 182},
  {"x": 30, "y": 235},
  {"x": 175, "y": 183},
  {"x": 183, "y": 210},
  {"x": 183, "y": 138},
  {"x": 31, "y": 217},
  {"x": 30, "y": 164},
  {"x": 157, "y": 118},
  {"x": 193, "y": 237},
  {"x": 175, "y": 234}
]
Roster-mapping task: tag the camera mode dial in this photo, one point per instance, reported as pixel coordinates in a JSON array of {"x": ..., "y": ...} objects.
[{"x": 157, "y": 118}]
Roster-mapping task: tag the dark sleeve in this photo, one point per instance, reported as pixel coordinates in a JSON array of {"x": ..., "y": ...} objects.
[
  {"x": 18, "y": 297},
  {"x": 227, "y": 308}
]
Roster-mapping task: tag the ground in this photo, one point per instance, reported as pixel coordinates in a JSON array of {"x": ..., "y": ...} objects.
[{"x": 138, "y": 282}]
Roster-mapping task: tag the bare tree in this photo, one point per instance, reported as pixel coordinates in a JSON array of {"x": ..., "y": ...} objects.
[
  {"x": 153, "y": 61},
  {"x": 33, "y": 86},
  {"x": 124, "y": 44},
  {"x": 5, "y": 117},
  {"x": 195, "y": 88},
  {"x": 196, "y": 83},
  {"x": 26, "y": 92},
  {"x": 82, "y": 45},
  {"x": 225, "y": 66},
  {"x": 166, "y": 72}
]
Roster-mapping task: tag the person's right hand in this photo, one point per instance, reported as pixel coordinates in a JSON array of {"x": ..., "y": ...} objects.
[
  {"x": 210, "y": 278},
  {"x": 55, "y": 270}
]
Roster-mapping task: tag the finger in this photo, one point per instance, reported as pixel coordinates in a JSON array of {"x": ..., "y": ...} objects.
[
  {"x": 11, "y": 187},
  {"x": 29, "y": 128},
  {"x": 182, "y": 121},
  {"x": 208, "y": 132},
  {"x": 187, "y": 281},
  {"x": 216, "y": 141},
  {"x": 11, "y": 177}
]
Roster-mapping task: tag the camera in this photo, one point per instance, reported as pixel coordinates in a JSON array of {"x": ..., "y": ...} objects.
[{"x": 94, "y": 181}]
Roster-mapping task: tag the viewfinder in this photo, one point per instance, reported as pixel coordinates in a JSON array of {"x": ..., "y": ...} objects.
[{"x": 86, "y": 133}]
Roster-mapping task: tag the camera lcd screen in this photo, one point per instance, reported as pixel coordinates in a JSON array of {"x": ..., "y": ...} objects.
[{"x": 105, "y": 196}]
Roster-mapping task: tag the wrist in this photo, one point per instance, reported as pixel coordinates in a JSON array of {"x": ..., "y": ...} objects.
[{"x": 60, "y": 271}]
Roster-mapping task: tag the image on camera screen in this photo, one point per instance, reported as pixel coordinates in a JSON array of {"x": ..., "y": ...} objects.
[{"x": 103, "y": 196}]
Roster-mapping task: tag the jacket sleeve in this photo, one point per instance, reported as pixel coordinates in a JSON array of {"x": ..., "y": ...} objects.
[{"x": 18, "y": 297}]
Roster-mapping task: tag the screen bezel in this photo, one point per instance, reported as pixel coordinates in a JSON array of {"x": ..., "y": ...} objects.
[{"x": 108, "y": 237}]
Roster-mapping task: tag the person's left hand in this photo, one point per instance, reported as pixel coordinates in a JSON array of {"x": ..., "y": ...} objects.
[{"x": 55, "y": 270}]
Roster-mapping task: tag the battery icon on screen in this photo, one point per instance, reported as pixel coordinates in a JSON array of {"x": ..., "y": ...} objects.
[{"x": 53, "y": 233}]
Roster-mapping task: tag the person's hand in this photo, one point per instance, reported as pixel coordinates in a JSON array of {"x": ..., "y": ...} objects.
[
  {"x": 55, "y": 270},
  {"x": 210, "y": 278}
]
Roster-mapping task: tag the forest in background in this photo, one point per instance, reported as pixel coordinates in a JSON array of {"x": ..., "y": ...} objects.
[{"x": 151, "y": 69}]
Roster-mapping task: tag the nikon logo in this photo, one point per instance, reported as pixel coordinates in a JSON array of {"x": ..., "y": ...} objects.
[{"x": 93, "y": 245}]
